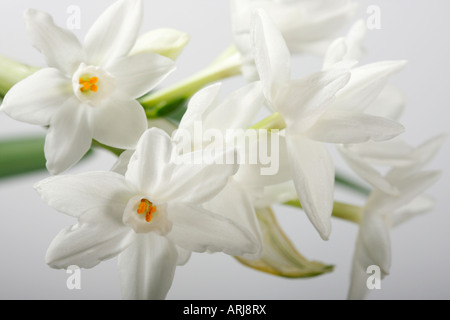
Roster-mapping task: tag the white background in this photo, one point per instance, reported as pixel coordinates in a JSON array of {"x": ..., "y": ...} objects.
[{"x": 415, "y": 30}]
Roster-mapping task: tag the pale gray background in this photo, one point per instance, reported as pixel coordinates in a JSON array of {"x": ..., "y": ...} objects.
[{"x": 415, "y": 30}]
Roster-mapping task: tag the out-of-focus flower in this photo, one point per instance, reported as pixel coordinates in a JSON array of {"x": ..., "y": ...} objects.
[
  {"x": 88, "y": 91},
  {"x": 384, "y": 211},
  {"x": 306, "y": 26}
]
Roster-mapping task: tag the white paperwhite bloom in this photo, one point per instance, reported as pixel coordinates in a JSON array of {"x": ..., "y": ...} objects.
[
  {"x": 210, "y": 124},
  {"x": 326, "y": 107},
  {"x": 306, "y": 26},
  {"x": 384, "y": 211},
  {"x": 226, "y": 124},
  {"x": 153, "y": 216},
  {"x": 89, "y": 90}
]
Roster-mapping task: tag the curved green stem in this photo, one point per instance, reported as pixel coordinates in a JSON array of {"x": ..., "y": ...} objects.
[
  {"x": 272, "y": 122},
  {"x": 21, "y": 155},
  {"x": 226, "y": 66},
  {"x": 341, "y": 210}
]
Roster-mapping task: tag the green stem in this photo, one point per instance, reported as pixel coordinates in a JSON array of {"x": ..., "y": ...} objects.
[
  {"x": 115, "y": 151},
  {"x": 21, "y": 155},
  {"x": 272, "y": 122},
  {"x": 12, "y": 72},
  {"x": 341, "y": 210},
  {"x": 226, "y": 66}
]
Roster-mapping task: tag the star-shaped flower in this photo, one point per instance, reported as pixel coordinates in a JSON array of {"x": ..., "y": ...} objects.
[
  {"x": 326, "y": 107},
  {"x": 152, "y": 217},
  {"x": 88, "y": 91}
]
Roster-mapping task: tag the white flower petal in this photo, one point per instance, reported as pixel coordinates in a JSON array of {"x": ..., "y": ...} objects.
[
  {"x": 409, "y": 188},
  {"x": 183, "y": 256},
  {"x": 303, "y": 101},
  {"x": 162, "y": 123},
  {"x": 390, "y": 104},
  {"x": 75, "y": 195},
  {"x": 98, "y": 236},
  {"x": 264, "y": 162},
  {"x": 312, "y": 25},
  {"x": 37, "y": 98},
  {"x": 354, "y": 41},
  {"x": 69, "y": 136},
  {"x": 313, "y": 175},
  {"x": 422, "y": 155},
  {"x": 200, "y": 105},
  {"x": 358, "y": 283},
  {"x": 367, "y": 172},
  {"x": 234, "y": 203},
  {"x": 147, "y": 268},
  {"x": 139, "y": 74},
  {"x": 149, "y": 166},
  {"x": 166, "y": 42},
  {"x": 200, "y": 230},
  {"x": 277, "y": 194},
  {"x": 121, "y": 165},
  {"x": 61, "y": 48},
  {"x": 200, "y": 175},
  {"x": 238, "y": 110},
  {"x": 345, "y": 127},
  {"x": 375, "y": 238},
  {"x": 114, "y": 33},
  {"x": 272, "y": 56},
  {"x": 119, "y": 123},
  {"x": 392, "y": 153},
  {"x": 418, "y": 206},
  {"x": 365, "y": 85},
  {"x": 335, "y": 53}
]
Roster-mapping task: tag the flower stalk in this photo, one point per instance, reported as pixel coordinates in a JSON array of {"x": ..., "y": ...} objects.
[
  {"x": 341, "y": 210},
  {"x": 273, "y": 122},
  {"x": 227, "y": 65}
]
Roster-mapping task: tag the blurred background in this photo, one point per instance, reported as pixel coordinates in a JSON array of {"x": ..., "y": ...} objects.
[{"x": 416, "y": 31}]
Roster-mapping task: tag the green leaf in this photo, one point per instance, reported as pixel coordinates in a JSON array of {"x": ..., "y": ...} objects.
[
  {"x": 21, "y": 155},
  {"x": 280, "y": 256}
]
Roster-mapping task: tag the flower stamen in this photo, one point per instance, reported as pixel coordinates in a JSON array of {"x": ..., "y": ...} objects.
[
  {"x": 147, "y": 208},
  {"x": 88, "y": 84}
]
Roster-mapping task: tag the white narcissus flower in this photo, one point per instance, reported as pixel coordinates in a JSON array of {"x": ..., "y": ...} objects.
[
  {"x": 228, "y": 123},
  {"x": 89, "y": 90},
  {"x": 384, "y": 211},
  {"x": 306, "y": 26},
  {"x": 224, "y": 124},
  {"x": 152, "y": 217},
  {"x": 209, "y": 124},
  {"x": 326, "y": 107}
]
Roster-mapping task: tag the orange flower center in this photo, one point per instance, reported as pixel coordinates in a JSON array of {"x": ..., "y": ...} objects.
[
  {"x": 147, "y": 208},
  {"x": 88, "y": 84}
]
